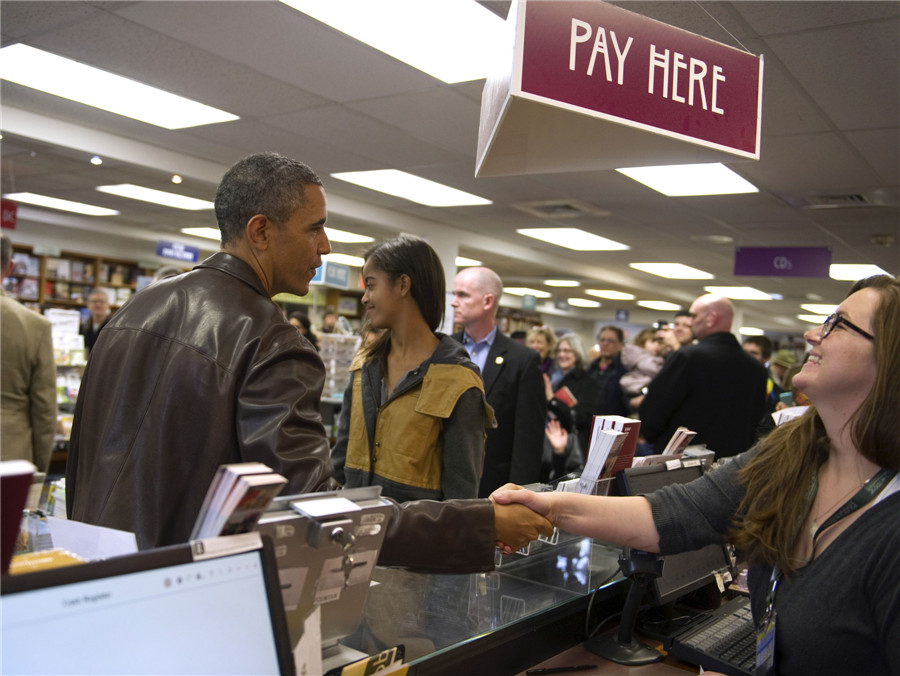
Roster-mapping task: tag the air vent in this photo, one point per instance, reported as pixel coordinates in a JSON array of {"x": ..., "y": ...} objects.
[
  {"x": 874, "y": 198},
  {"x": 560, "y": 209}
]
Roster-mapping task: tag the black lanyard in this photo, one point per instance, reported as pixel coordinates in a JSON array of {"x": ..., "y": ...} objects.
[{"x": 864, "y": 496}]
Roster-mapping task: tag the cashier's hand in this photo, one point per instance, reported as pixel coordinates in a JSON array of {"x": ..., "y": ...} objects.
[{"x": 516, "y": 525}]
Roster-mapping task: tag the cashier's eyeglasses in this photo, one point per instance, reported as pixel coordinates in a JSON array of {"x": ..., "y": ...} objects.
[{"x": 835, "y": 320}]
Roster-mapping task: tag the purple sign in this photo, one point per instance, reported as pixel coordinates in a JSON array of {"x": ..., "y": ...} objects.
[{"x": 782, "y": 261}]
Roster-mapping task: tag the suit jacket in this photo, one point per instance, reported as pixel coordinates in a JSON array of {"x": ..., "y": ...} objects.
[
  {"x": 27, "y": 385},
  {"x": 514, "y": 388},
  {"x": 90, "y": 335},
  {"x": 712, "y": 387}
]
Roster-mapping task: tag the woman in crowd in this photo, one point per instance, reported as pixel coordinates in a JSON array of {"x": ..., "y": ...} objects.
[
  {"x": 642, "y": 360},
  {"x": 813, "y": 506},
  {"x": 573, "y": 393},
  {"x": 414, "y": 414},
  {"x": 542, "y": 340}
]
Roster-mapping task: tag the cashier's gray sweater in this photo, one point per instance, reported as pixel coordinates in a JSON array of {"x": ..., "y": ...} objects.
[{"x": 840, "y": 614}]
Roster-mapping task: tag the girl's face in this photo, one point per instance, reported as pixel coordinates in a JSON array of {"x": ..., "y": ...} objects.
[
  {"x": 539, "y": 344},
  {"x": 565, "y": 355},
  {"x": 840, "y": 370},
  {"x": 381, "y": 298}
]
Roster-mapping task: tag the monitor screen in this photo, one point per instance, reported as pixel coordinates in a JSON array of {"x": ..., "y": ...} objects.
[
  {"x": 174, "y": 610},
  {"x": 682, "y": 573}
]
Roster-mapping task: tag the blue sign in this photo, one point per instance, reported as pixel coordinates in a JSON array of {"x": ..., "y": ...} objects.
[
  {"x": 333, "y": 274},
  {"x": 621, "y": 315},
  {"x": 529, "y": 302},
  {"x": 178, "y": 251}
]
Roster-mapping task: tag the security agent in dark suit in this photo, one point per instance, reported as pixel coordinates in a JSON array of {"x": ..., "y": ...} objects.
[
  {"x": 512, "y": 382},
  {"x": 712, "y": 387}
]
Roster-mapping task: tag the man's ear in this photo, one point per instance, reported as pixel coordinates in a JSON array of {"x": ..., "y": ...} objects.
[
  {"x": 259, "y": 231},
  {"x": 488, "y": 301}
]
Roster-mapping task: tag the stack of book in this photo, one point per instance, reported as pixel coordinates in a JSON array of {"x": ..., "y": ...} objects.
[{"x": 237, "y": 497}]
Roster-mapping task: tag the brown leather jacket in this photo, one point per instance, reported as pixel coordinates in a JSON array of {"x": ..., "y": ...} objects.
[{"x": 202, "y": 369}]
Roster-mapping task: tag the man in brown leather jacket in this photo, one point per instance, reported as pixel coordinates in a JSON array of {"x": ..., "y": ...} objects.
[{"x": 202, "y": 369}]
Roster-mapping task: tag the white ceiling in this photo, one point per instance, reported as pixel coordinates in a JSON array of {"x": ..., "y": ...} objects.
[{"x": 830, "y": 126}]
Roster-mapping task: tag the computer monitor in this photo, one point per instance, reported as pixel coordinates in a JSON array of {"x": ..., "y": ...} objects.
[
  {"x": 206, "y": 607},
  {"x": 686, "y": 572}
]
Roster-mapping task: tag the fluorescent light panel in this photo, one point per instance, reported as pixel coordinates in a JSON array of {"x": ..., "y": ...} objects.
[
  {"x": 738, "y": 292},
  {"x": 823, "y": 309},
  {"x": 463, "y": 262},
  {"x": 851, "y": 272},
  {"x": 452, "y": 40},
  {"x": 688, "y": 180},
  {"x": 62, "y": 205},
  {"x": 561, "y": 283},
  {"x": 659, "y": 305},
  {"x": 168, "y": 199},
  {"x": 344, "y": 259},
  {"x": 573, "y": 238},
  {"x": 751, "y": 331},
  {"x": 345, "y": 237},
  {"x": 813, "y": 319},
  {"x": 525, "y": 291},
  {"x": 584, "y": 302},
  {"x": 91, "y": 86},
  {"x": 410, "y": 187},
  {"x": 206, "y": 233},
  {"x": 610, "y": 294},
  {"x": 671, "y": 270}
]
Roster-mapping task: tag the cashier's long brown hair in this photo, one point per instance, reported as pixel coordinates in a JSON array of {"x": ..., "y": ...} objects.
[{"x": 778, "y": 478}]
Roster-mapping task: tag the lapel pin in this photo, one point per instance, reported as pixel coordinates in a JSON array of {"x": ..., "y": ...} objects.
[{"x": 498, "y": 360}]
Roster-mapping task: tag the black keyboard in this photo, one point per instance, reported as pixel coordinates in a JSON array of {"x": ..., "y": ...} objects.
[{"x": 724, "y": 640}]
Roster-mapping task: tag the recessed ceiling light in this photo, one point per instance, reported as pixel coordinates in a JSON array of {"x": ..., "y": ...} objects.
[
  {"x": 463, "y": 262},
  {"x": 738, "y": 292},
  {"x": 425, "y": 35},
  {"x": 658, "y": 305},
  {"x": 168, "y": 199},
  {"x": 671, "y": 270},
  {"x": 176, "y": 179},
  {"x": 584, "y": 302},
  {"x": 96, "y": 160},
  {"x": 410, "y": 187},
  {"x": 850, "y": 272},
  {"x": 813, "y": 319},
  {"x": 573, "y": 238},
  {"x": 751, "y": 331},
  {"x": 344, "y": 259},
  {"x": 62, "y": 205},
  {"x": 525, "y": 291},
  {"x": 91, "y": 86},
  {"x": 345, "y": 237},
  {"x": 688, "y": 180},
  {"x": 207, "y": 233},
  {"x": 820, "y": 308},
  {"x": 561, "y": 283},
  {"x": 608, "y": 293}
]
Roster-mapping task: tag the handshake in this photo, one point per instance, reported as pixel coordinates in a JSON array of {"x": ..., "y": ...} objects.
[{"x": 520, "y": 516}]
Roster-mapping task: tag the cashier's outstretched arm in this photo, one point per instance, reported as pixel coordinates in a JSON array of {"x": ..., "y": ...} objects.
[{"x": 621, "y": 520}]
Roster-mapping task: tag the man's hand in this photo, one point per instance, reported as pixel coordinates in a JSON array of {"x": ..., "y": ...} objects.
[{"x": 516, "y": 525}]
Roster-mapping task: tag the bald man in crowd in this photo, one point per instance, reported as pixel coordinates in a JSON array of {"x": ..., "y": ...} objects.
[
  {"x": 512, "y": 382},
  {"x": 712, "y": 387}
]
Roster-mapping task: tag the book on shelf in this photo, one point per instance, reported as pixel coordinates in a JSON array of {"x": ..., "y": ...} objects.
[
  {"x": 122, "y": 295},
  {"x": 238, "y": 495},
  {"x": 564, "y": 394},
  {"x": 679, "y": 441},
  {"x": 619, "y": 423},
  {"x": 28, "y": 288},
  {"x": 77, "y": 271},
  {"x": 24, "y": 264}
]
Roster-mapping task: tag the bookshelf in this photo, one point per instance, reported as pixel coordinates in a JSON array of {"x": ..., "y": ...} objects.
[{"x": 66, "y": 279}]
